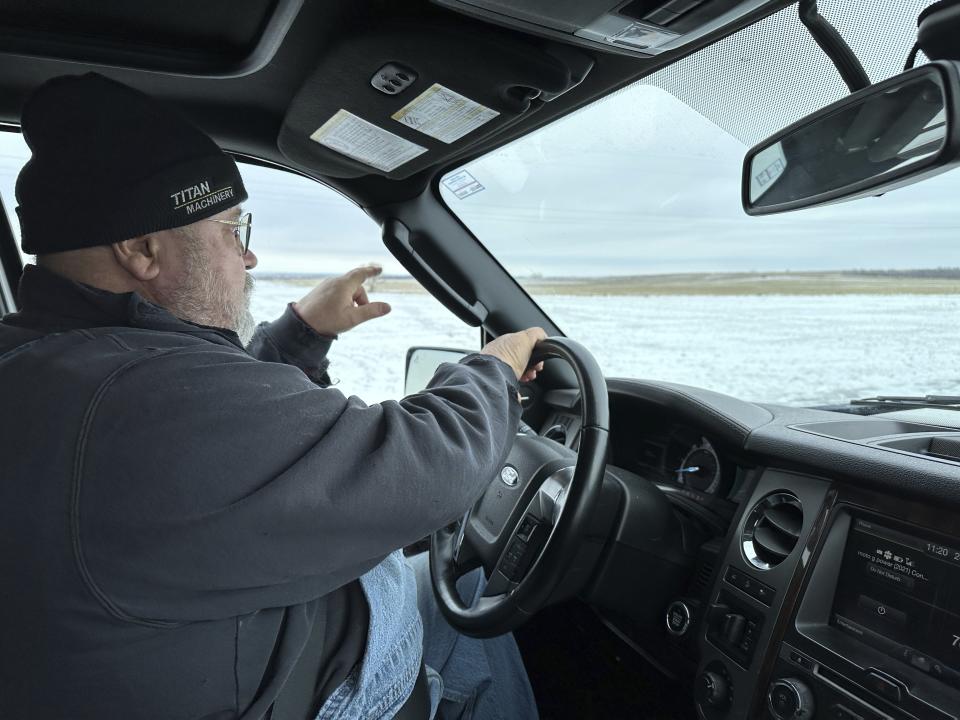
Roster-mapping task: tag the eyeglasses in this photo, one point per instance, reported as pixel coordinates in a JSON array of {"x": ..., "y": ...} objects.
[{"x": 241, "y": 230}]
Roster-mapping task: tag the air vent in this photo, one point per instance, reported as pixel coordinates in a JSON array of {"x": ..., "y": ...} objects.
[
  {"x": 772, "y": 530},
  {"x": 706, "y": 560}
]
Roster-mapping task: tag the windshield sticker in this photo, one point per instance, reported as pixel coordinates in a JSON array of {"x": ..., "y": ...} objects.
[
  {"x": 768, "y": 165},
  {"x": 462, "y": 184},
  {"x": 443, "y": 114},
  {"x": 356, "y": 138}
]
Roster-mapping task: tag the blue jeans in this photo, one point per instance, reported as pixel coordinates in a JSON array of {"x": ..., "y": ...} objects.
[{"x": 469, "y": 679}]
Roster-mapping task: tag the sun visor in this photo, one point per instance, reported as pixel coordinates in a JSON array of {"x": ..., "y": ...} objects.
[
  {"x": 396, "y": 100},
  {"x": 628, "y": 27}
]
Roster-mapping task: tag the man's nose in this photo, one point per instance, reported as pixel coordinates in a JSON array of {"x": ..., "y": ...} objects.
[{"x": 250, "y": 259}]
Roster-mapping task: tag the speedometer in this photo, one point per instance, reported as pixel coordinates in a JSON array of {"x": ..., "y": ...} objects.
[{"x": 700, "y": 468}]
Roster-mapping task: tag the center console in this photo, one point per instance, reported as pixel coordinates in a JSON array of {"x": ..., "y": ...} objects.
[
  {"x": 859, "y": 619},
  {"x": 877, "y": 630}
]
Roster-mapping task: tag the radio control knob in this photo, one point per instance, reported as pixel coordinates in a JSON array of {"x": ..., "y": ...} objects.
[
  {"x": 712, "y": 689},
  {"x": 790, "y": 699}
]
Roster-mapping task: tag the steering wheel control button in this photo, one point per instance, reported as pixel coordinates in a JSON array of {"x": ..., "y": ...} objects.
[
  {"x": 678, "y": 618},
  {"x": 509, "y": 476},
  {"x": 790, "y": 699},
  {"x": 527, "y": 527},
  {"x": 885, "y": 686}
]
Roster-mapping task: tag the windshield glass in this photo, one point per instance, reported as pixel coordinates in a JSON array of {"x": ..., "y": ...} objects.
[{"x": 624, "y": 222}]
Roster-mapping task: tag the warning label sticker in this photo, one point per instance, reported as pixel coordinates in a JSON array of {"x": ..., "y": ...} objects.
[
  {"x": 356, "y": 138},
  {"x": 462, "y": 184},
  {"x": 443, "y": 114}
]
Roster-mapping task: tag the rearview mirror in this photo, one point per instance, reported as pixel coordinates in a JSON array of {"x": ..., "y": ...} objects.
[
  {"x": 891, "y": 134},
  {"x": 422, "y": 363}
]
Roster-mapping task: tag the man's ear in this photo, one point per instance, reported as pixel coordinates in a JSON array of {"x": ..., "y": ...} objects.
[{"x": 139, "y": 256}]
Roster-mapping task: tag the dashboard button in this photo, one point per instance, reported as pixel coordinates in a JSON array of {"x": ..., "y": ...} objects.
[
  {"x": 921, "y": 661},
  {"x": 734, "y": 626},
  {"x": 678, "y": 618},
  {"x": 885, "y": 686},
  {"x": 790, "y": 699},
  {"x": 882, "y": 611},
  {"x": 945, "y": 674},
  {"x": 763, "y": 593},
  {"x": 842, "y": 712},
  {"x": 751, "y": 586},
  {"x": 713, "y": 689}
]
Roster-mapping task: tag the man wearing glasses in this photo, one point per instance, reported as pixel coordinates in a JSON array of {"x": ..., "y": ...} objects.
[{"x": 189, "y": 531}]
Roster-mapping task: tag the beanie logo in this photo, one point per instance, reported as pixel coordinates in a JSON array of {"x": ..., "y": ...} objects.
[{"x": 198, "y": 197}]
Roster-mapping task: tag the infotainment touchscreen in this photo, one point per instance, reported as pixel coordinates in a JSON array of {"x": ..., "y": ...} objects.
[{"x": 901, "y": 594}]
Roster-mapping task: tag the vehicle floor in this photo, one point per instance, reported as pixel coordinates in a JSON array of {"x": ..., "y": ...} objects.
[{"x": 579, "y": 669}]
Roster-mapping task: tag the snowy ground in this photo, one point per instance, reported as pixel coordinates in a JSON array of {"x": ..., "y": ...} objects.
[{"x": 796, "y": 350}]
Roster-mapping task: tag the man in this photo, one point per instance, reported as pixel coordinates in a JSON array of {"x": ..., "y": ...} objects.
[{"x": 184, "y": 522}]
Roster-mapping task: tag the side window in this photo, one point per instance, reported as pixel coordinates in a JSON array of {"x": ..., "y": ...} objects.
[
  {"x": 13, "y": 154},
  {"x": 303, "y": 232}
]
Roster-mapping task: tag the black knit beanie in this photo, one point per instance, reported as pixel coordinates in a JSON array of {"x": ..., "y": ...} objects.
[{"x": 110, "y": 163}]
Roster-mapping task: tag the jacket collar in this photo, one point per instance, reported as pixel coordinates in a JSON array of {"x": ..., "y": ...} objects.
[{"x": 52, "y": 302}]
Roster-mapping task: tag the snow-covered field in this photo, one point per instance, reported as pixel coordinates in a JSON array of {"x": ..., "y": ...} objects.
[{"x": 776, "y": 348}]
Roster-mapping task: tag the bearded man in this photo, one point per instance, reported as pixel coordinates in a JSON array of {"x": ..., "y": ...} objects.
[{"x": 192, "y": 528}]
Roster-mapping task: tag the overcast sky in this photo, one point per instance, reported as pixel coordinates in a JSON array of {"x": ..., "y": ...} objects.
[{"x": 640, "y": 182}]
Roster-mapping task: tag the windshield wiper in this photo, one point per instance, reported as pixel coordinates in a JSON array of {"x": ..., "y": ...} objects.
[{"x": 949, "y": 402}]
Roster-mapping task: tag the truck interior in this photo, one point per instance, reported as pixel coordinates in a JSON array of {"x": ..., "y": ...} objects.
[{"x": 661, "y": 549}]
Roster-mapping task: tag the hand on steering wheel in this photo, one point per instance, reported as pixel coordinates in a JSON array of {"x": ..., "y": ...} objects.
[{"x": 527, "y": 527}]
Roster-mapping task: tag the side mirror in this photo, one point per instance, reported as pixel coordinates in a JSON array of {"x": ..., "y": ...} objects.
[
  {"x": 888, "y": 135},
  {"x": 422, "y": 363}
]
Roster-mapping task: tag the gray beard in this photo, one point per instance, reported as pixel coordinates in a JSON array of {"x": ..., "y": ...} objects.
[
  {"x": 204, "y": 298},
  {"x": 245, "y": 322}
]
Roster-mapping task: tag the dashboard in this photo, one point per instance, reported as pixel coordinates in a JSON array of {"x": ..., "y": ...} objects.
[{"x": 814, "y": 571}]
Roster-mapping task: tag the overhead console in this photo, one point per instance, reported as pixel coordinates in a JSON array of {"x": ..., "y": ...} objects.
[{"x": 634, "y": 27}]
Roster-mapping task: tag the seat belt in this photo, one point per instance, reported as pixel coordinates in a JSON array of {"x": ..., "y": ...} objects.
[{"x": 295, "y": 701}]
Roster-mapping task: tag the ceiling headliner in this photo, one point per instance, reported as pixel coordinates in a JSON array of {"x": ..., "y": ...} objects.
[{"x": 245, "y": 113}]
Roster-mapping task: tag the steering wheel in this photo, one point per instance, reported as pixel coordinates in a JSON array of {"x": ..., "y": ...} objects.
[{"x": 527, "y": 527}]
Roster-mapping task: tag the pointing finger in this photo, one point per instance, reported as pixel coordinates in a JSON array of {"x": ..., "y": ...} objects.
[{"x": 365, "y": 272}]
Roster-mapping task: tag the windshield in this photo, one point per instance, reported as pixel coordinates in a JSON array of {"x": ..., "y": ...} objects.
[{"x": 624, "y": 222}]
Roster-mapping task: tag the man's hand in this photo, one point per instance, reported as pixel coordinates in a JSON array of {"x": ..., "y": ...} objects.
[
  {"x": 515, "y": 350},
  {"x": 339, "y": 304}
]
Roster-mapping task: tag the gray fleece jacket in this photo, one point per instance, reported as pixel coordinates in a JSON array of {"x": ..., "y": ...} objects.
[{"x": 178, "y": 514}]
